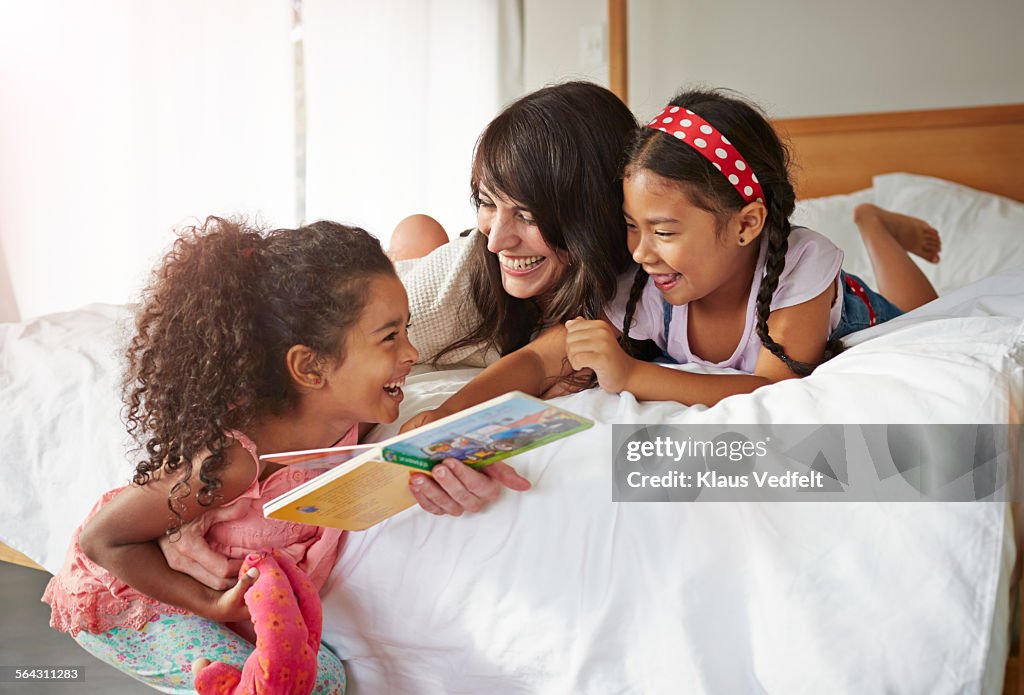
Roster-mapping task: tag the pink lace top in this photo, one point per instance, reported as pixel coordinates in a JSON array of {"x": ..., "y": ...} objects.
[{"x": 85, "y": 596}]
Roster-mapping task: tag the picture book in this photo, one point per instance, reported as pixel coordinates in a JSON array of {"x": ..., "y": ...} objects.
[{"x": 363, "y": 485}]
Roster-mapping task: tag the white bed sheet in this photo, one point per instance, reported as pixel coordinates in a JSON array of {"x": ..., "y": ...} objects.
[
  {"x": 559, "y": 590},
  {"x": 62, "y": 441}
]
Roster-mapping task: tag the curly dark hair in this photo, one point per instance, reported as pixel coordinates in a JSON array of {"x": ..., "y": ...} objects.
[
  {"x": 222, "y": 309},
  {"x": 749, "y": 130}
]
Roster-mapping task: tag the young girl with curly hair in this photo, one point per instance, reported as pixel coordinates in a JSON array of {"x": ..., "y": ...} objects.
[{"x": 246, "y": 342}]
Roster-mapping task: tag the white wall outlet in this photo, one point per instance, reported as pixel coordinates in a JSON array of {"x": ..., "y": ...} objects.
[{"x": 593, "y": 45}]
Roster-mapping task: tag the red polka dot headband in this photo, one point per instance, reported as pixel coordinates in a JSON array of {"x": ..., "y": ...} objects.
[{"x": 713, "y": 146}]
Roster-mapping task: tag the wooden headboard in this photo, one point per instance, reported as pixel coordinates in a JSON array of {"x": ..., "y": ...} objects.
[{"x": 981, "y": 147}]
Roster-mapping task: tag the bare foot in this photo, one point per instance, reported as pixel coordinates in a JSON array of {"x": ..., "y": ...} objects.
[{"x": 915, "y": 235}]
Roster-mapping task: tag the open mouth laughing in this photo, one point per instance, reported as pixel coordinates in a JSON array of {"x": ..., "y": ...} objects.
[
  {"x": 520, "y": 265},
  {"x": 665, "y": 281},
  {"x": 394, "y": 388}
]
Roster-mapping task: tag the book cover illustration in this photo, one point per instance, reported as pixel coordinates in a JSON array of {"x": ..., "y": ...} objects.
[{"x": 503, "y": 429}]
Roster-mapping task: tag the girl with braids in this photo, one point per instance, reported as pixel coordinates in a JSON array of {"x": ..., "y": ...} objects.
[
  {"x": 246, "y": 342},
  {"x": 724, "y": 280}
]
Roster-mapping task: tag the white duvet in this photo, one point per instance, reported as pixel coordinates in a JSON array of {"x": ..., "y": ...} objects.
[{"x": 559, "y": 590}]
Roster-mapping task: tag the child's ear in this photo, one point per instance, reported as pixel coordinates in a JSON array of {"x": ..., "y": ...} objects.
[
  {"x": 750, "y": 222},
  {"x": 304, "y": 366}
]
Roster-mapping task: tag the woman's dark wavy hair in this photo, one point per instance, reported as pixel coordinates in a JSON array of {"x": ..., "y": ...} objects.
[
  {"x": 221, "y": 311},
  {"x": 557, "y": 152},
  {"x": 748, "y": 129}
]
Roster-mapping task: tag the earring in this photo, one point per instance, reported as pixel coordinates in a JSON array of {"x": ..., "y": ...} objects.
[
  {"x": 315, "y": 381},
  {"x": 742, "y": 242}
]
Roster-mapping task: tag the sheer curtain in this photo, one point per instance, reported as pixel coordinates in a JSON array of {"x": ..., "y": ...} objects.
[
  {"x": 120, "y": 120},
  {"x": 397, "y": 92}
]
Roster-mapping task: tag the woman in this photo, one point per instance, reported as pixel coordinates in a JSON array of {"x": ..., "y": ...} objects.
[{"x": 549, "y": 242}]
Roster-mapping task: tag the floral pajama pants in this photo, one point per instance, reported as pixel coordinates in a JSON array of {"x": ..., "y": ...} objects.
[{"x": 161, "y": 654}]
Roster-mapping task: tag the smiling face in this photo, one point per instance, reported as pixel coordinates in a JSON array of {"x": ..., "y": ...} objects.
[
  {"x": 684, "y": 249},
  {"x": 367, "y": 385},
  {"x": 529, "y": 266}
]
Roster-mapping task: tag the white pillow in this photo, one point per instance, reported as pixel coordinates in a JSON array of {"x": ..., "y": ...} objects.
[
  {"x": 982, "y": 233},
  {"x": 833, "y": 216}
]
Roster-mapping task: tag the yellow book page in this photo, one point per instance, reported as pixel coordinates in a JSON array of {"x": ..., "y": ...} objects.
[{"x": 357, "y": 500}]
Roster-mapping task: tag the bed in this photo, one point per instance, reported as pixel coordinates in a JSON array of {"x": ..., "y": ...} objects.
[{"x": 559, "y": 589}]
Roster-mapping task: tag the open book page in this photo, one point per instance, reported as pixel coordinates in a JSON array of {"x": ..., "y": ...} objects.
[
  {"x": 366, "y": 495},
  {"x": 319, "y": 459}
]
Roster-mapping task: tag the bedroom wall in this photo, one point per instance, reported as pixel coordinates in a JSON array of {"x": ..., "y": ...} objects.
[
  {"x": 799, "y": 58},
  {"x": 551, "y": 42}
]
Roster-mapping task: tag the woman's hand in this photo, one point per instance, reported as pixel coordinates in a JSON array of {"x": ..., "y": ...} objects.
[
  {"x": 595, "y": 345},
  {"x": 229, "y": 606},
  {"x": 190, "y": 554},
  {"x": 456, "y": 488}
]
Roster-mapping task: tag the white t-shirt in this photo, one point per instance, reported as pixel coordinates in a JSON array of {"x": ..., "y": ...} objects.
[{"x": 812, "y": 262}]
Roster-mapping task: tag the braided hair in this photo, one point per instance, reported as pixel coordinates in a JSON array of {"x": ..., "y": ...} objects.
[
  {"x": 218, "y": 317},
  {"x": 748, "y": 129}
]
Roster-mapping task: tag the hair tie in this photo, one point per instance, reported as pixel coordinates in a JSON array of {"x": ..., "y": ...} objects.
[
  {"x": 703, "y": 137},
  {"x": 247, "y": 252}
]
